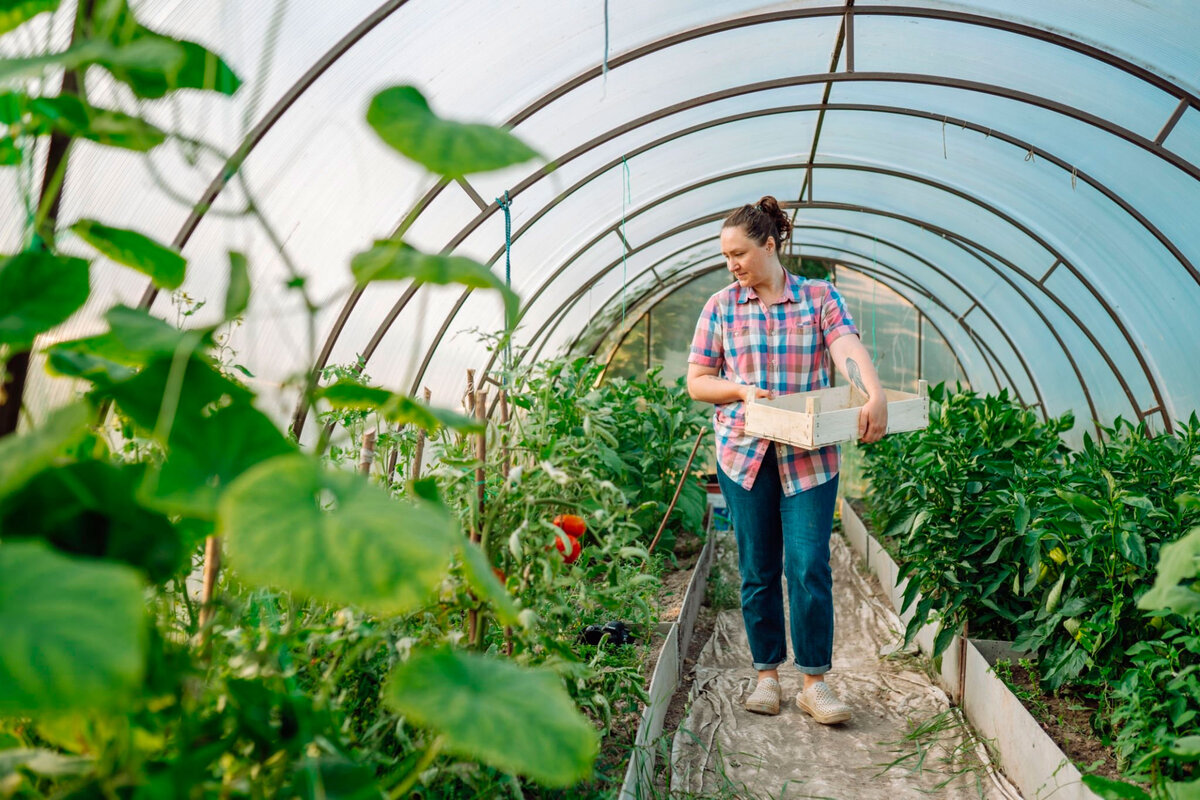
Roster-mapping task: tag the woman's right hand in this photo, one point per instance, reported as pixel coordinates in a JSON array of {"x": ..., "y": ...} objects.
[{"x": 754, "y": 392}]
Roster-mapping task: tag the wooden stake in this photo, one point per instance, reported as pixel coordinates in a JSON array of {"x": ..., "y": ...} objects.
[
  {"x": 480, "y": 405},
  {"x": 367, "y": 457},
  {"x": 469, "y": 402},
  {"x": 393, "y": 453},
  {"x": 678, "y": 489},
  {"x": 504, "y": 454},
  {"x": 419, "y": 452},
  {"x": 212, "y": 568}
]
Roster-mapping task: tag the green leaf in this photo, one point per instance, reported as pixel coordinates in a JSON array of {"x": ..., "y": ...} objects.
[
  {"x": 367, "y": 548},
  {"x": 1088, "y": 508},
  {"x": 70, "y": 115},
  {"x": 89, "y": 509},
  {"x": 202, "y": 387},
  {"x": 513, "y": 718},
  {"x": 478, "y": 571},
  {"x": 404, "y": 410},
  {"x": 351, "y": 394},
  {"x": 1177, "y": 790},
  {"x": 154, "y": 65},
  {"x": 334, "y": 779},
  {"x": 74, "y": 631},
  {"x": 945, "y": 636},
  {"x": 1132, "y": 548},
  {"x": 24, "y": 455},
  {"x": 402, "y": 118},
  {"x": 18, "y": 12},
  {"x": 37, "y": 292},
  {"x": 1186, "y": 748},
  {"x": 135, "y": 338},
  {"x": 1110, "y": 789},
  {"x": 237, "y": 293},
  {"x": 1177, "y": 562},
  {"x": 207, "y": 453},
  {"x": 163, "y": 265},
  {"x": 390, "y": 260},
  {"x": 10, "y": 154}
]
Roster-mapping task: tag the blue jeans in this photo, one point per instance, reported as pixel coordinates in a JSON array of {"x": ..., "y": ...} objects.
[{"x": 779, "y": 535}]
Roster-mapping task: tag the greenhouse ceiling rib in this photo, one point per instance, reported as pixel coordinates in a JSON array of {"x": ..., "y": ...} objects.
[{"x": 927, "y": 224}]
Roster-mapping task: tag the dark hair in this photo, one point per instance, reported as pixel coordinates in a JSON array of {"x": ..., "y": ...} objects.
[{"x": 761, "y": 220}]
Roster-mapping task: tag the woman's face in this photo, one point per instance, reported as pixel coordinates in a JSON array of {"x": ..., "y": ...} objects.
[{"x": 750, "y": 263}]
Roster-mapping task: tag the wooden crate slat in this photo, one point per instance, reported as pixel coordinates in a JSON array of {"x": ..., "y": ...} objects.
[{"x": 834, "y": 416}]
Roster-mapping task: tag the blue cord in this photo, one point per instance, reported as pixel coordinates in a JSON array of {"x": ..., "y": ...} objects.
[{"x": 506, "y": 206}]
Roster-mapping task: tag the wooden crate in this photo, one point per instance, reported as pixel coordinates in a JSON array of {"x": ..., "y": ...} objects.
[{"x": 828, "y": 416}]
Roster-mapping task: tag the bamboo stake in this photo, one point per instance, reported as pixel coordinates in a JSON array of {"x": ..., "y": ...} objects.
[
  {"x": 367, "y": 457},
  {"x": 212, "y": 567},
  {"x": 475, "y": 625},
  {"x": 419, "y": 452},
  {"x": 678, "y": 490}
]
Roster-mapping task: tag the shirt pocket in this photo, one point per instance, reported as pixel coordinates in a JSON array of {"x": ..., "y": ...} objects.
[{"x": 803, "y": 335}]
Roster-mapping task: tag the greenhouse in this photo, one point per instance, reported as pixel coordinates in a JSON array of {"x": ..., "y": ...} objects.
[{"x": 599, "y": 399}]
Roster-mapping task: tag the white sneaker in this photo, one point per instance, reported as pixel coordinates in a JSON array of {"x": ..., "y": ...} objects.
[
  {"x": 820, "y": 703},
  {"x": 765, "y": 699}
]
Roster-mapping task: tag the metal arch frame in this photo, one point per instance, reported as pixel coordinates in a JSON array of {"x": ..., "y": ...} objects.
[
  {"x": 985, "y": 351},
  {"x": 402, "y": 302},
  {"x": 912, "y": 283},
  {"x": 1116, "y": 320},
  {"x": 385, "y": 10},
  {"x": 1153, "y": 146},
  {"x": 989, "y": 358}
]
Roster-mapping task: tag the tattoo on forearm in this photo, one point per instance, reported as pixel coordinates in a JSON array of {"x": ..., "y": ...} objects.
[{"x": 855, "y": 375}]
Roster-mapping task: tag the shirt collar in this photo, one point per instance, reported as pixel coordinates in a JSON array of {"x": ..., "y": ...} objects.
[{"x": 791, "y": 290}]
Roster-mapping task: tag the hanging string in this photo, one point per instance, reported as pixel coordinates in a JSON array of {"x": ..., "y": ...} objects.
[
  {"x": 506, "y": 206},
  {"x": 604, "y": 71},
  {"x": 626, "y": 200},
  {"x": 874, "y": 286}
]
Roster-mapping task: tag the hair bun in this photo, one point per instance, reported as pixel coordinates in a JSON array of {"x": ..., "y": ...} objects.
[{"x": 770, "y": 206}]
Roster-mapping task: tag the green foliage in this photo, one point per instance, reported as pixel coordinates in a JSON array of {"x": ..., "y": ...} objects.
[
  {"x": 38, "y": 290},
  {"x": 74, "y": 631},
  {"x": 391, "y": 260},
  {"x": 17, "y": 12},
  {"x": 521, "y": 720},
  {"x": 402, "y": 117},
  {"x": 164, "y": 265},
  {"x": 995, "y": 523},
  {"x": 340, "y": 533}
]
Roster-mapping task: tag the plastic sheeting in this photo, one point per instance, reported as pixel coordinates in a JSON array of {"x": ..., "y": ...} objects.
[{"x": 721, "y": 745}]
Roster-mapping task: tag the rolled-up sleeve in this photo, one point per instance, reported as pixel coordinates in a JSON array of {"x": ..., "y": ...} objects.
[
  {"x": 707, "y": 349},
  {"x": 835, "y": 319}
]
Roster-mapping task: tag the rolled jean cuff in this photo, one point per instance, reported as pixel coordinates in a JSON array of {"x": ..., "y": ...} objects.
[
  {"x": 761, "y": 667},
  {"x": 814, "y": 670}
]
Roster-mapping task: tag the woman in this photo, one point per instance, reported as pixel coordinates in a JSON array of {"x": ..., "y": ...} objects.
[{"x": 770, "y": 333}]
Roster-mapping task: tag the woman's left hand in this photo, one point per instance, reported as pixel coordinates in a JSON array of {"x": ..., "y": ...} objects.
[{"x": 872, "y": 420}]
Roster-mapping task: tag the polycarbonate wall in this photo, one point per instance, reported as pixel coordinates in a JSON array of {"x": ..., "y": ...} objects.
[{"x": 1022, "y": 174}]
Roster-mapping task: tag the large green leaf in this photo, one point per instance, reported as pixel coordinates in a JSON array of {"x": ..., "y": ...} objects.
[
  {"x": 135, "y": 338},
  {"x": 10, "y": 154},
  {"x": 202, "y": 387},
  {"x": 17, "y": 12},
  {"x": 89, "y": 509},
  {"x": 478, "y": 571},
  {"x": 514, "y": 718},
  {"x": 402, "y": 117},
  {"x": 70, "y": 115},
  {"x": 163, "y": 265},
  {"x": 24, "y": 455},
  {"x": 74, "y": 631},
  {"x": 353, "y": 395},
  {"x": 334, "y": 537},
  {"x": 207, "y": 453},
  {"x": 38, "y": 291},
  {"x": 160, "y": 64},
  {"x": 334, "y": 779},
  {"x": 1177, "y": 562},
  {"x": 390, "y": 260},
  {"x": 1111, "y": 789},
  {"x": 237, "y": 293},
  {"x": 405, "y": 410}
]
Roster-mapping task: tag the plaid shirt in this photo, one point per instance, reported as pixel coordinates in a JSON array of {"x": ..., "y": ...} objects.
[{"x": 781, "y": 348}]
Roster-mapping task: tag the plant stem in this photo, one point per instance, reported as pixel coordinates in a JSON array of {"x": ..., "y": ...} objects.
[{"x": 411, "y": 779}]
